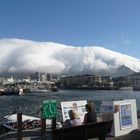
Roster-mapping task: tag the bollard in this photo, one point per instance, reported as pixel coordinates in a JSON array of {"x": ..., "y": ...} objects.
[
  {"x": 19, "y": 126},
  {"x": 53, "y": 123},
  {"x": 43, "y": 126}
]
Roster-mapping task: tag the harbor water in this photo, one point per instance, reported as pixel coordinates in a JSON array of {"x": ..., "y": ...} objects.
[{"x": 30, "y": 104}]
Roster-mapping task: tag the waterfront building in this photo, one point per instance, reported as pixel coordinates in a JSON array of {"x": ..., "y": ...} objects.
[
  {"x": 135, "y": 79},
  {"x": 106, "y": 81},
  {"x": 86, "y": 80},
  {"x": 53, "y": 77},
  {"x": 122, "y": 81}
]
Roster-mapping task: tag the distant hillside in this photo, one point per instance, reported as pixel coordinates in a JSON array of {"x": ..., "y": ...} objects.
[{"x": 122, "y": 71}]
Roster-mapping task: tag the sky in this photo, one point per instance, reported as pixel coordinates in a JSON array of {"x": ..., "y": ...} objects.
[{"x": 112, "y": 24}]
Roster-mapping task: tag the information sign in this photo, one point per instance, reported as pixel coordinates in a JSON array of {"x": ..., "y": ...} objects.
[
  {"x": 77, "y": 106},
  {"x": 125, "y": 116},
  {"x": 49, "y": 109}
]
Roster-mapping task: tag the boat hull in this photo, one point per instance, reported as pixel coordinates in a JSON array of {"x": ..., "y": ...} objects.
[
  {"x": 136, "y": 88},
  {"x": 92, "y": 88}
]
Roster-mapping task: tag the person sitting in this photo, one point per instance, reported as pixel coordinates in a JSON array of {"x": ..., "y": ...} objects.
[
  {"x": 73, "y": 121},
  {"x": 90, "y": 116}
]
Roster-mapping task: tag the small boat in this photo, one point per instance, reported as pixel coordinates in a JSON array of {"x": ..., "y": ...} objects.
[
  {"x": 91, "y": 88},
  {"x": 1, "y": 92},
  {"x": 54, "y": 89},
  {"x": 14, "y": 91},
  {"x": 136, "y": 88},
  {"x": 10, "y": 124},
  {"x": 126, "y": 88},
  {"x": 11, "y": 92},
  {"x": 44, "y": 90},
  {"x": 39, "y": 90},
  {"x": 28, "y": 122}
]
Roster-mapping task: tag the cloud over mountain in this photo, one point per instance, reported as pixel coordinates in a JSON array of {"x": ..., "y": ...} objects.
[{"x": 28, "y": 56}]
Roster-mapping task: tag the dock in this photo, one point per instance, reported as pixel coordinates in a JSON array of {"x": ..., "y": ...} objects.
[
  {"x": 35, "y": 134},
  {"x": 133, "y": 136}
]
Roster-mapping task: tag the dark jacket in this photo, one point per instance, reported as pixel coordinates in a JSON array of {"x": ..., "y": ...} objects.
[{"x": 90, "y": 117}]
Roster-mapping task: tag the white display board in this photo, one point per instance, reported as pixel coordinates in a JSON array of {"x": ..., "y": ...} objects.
[
  {"x": 124, "y": 114},
  {"x": 78, "y": 106}
]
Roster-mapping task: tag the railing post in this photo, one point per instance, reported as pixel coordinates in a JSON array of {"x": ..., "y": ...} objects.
[
  {"x": 19, "y": 126},
  {"x": 102, "y": 137},
  {"x": 43, "y": 126},
  {"x": 53, "y": 123}
]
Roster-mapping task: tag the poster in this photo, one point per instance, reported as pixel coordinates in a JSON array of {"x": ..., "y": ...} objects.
[
  {"x": 106, "y": 110},
  {"x": 125, "y": 116},
  {"x": 78, "y": 106}
]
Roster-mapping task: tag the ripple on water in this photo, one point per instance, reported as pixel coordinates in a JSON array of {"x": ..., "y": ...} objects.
[{"x": 31, "y": 103}]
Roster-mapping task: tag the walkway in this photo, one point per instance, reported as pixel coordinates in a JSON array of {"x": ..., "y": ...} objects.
[{"x": 35, "y": 135}]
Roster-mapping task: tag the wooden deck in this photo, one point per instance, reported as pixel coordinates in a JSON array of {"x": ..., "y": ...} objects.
[
  {"x": 135, "y": 136},
  {"x": 35, "y": 135}
]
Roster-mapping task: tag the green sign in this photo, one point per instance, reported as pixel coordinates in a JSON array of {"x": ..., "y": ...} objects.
[{"x": 49, "y": 109}]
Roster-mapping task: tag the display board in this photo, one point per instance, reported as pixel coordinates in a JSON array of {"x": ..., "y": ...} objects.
[
  {"x": 77, "y": 106},
  {"x": 107, "y": 110},
  {"x": 124, "y": 114}
]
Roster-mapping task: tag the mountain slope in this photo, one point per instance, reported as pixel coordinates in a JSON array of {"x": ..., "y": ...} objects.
[{"x": 122, "y": 71}]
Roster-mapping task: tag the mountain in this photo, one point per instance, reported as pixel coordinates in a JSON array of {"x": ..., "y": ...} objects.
[{"x": 122, "y": 71}]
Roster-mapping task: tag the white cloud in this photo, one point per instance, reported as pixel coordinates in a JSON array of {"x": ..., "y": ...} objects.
[{"x": 29, "y": 56}]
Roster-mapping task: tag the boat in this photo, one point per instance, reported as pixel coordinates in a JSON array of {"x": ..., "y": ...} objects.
[
  {"x": 126, "y": 88},
  {"x": 91, "y": 88},
  {"x": 26, "y": 90},
  {"x": 28, "y": 122},
  {"x": 11, "y": 91},
  {"x": 16, "y": 88},
  {"x": 39, "y": 90},
  {"x": 54, "y": 88},
  {"x": 14, "y": 91},
  {"x": 1, "y": 91},
  {"x": 136, "y": 88}
]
